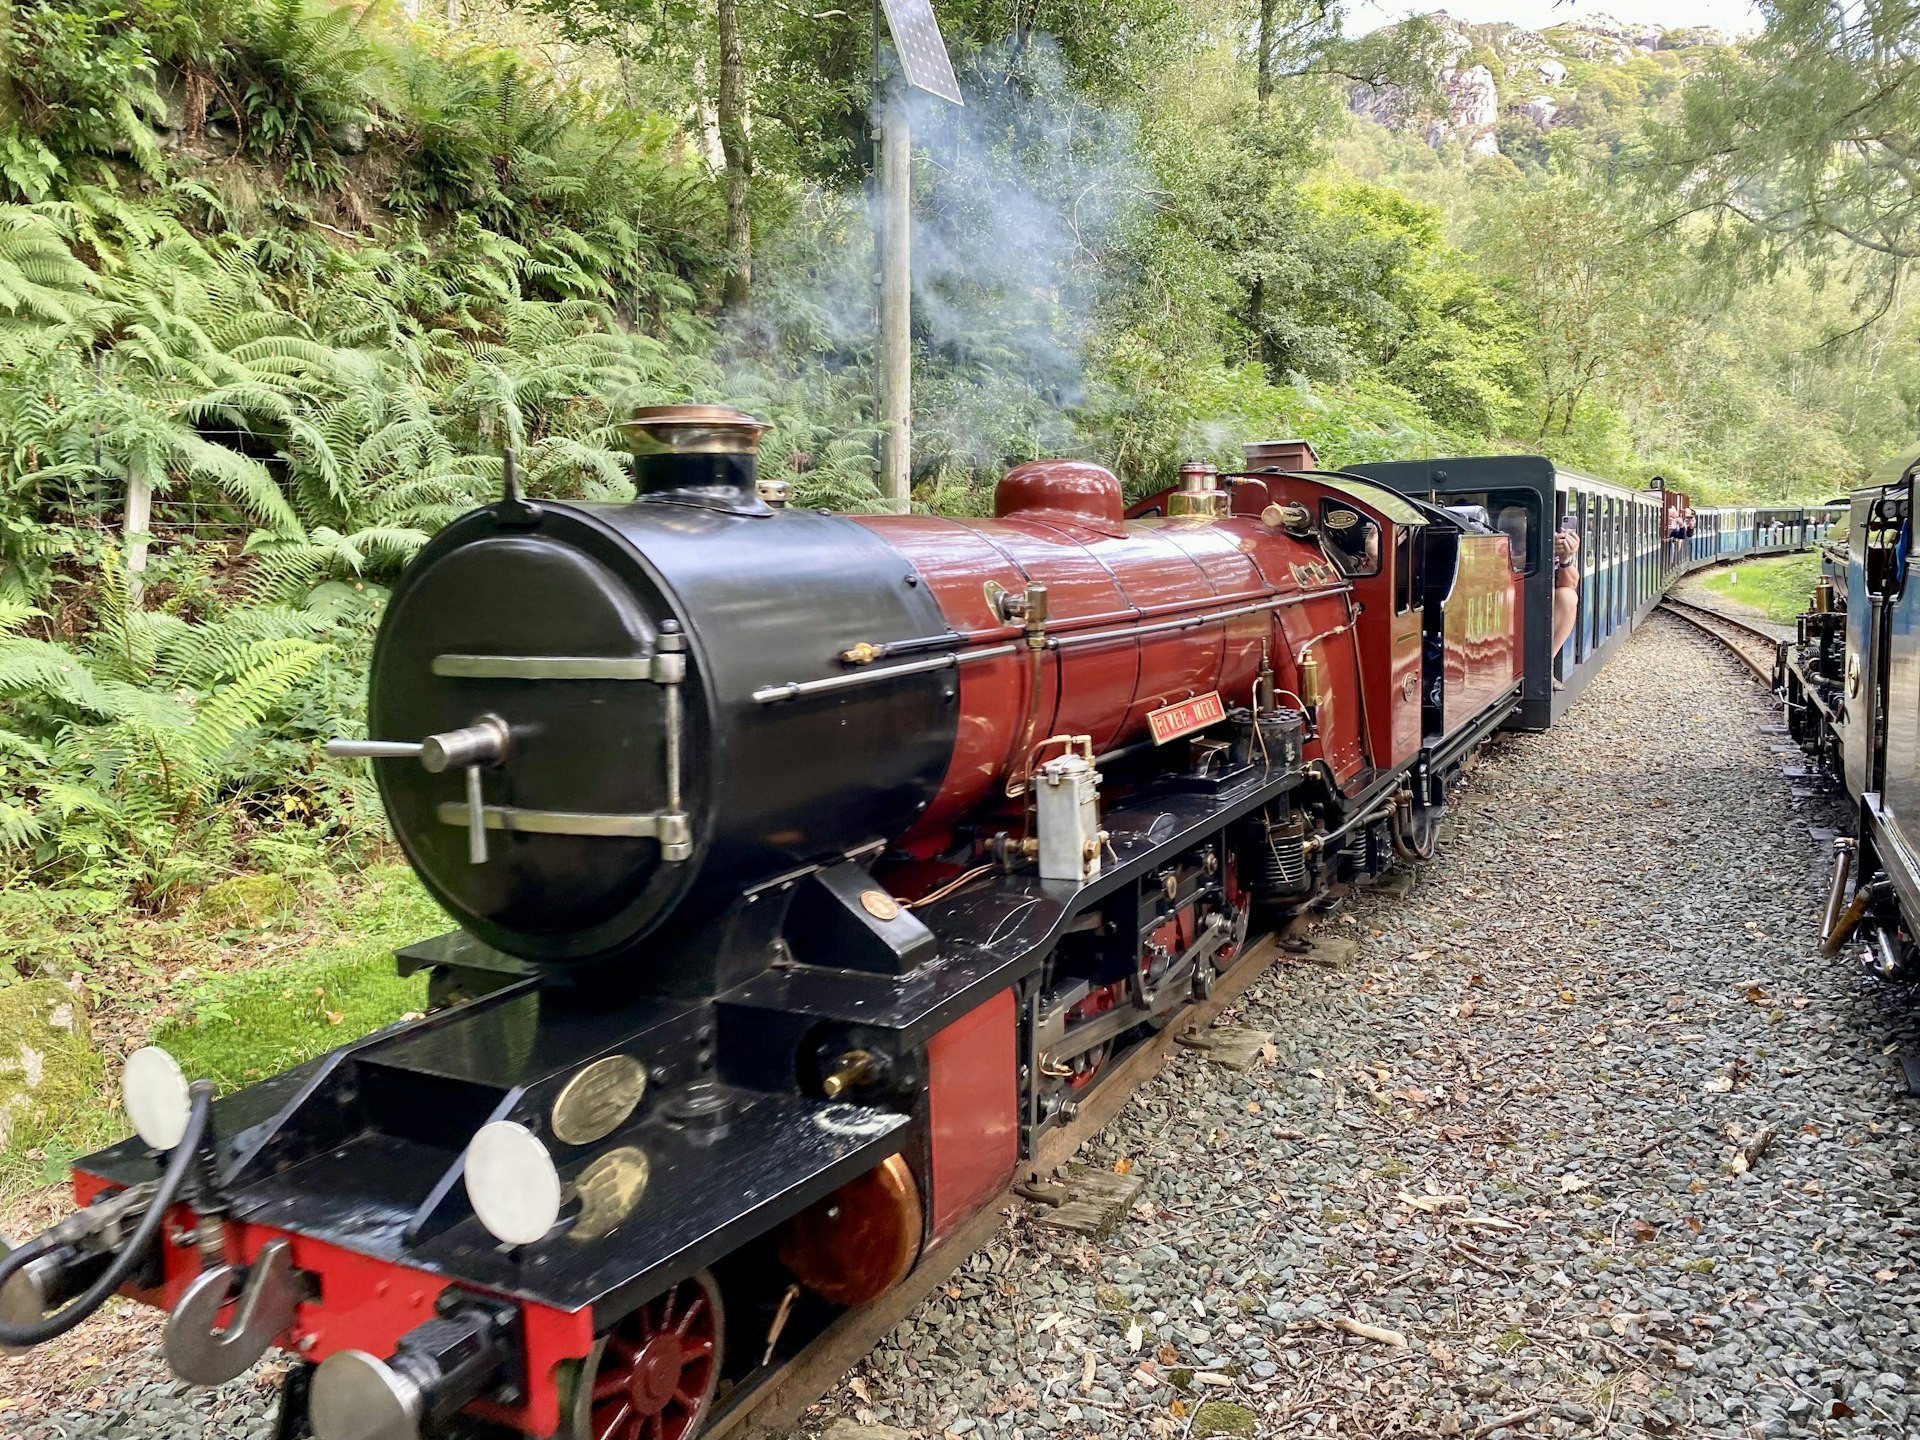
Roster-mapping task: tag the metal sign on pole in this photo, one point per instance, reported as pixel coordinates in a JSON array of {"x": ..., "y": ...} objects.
[{"x": 926, "y": 66}]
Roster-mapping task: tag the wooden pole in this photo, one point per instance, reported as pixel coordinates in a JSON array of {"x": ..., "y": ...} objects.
[
  {"x": 896, "y": 309},
  {"x": 138, "y": 521}
]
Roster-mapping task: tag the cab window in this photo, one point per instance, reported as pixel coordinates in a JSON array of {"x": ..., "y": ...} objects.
[
  {"x": 1516, "y": 523},
  {"x": 1353, "y": 539},
  {"x": 1405, "y": 558}
]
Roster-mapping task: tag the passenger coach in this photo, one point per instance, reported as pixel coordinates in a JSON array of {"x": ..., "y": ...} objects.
[{"x": 1625, "y": 560}]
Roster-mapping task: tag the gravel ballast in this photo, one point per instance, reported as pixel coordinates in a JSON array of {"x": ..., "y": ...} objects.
[
  {"x": 1505, "y": 1136},
  {"x": 1490, "y": 1178}
]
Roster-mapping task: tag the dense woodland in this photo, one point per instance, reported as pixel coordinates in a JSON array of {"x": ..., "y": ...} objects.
[{"x": 295, "y": 275}]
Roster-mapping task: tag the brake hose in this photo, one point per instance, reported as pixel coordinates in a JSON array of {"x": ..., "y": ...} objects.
[{"x": 179, "y": 1165}]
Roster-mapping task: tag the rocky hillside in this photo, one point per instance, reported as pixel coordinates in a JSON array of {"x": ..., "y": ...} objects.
[{"x": 1502, "y": 88}]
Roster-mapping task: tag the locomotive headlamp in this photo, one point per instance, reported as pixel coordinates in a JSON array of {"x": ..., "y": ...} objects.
[
  {"x": 155, "y": 1093},
  {"x": 512, "y": 1183}
]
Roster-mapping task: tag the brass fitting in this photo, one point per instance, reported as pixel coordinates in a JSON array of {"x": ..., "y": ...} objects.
[
  {"x": 855, "y": 1067},
  {"x": 1312, "y": 682},
  {"x": 1199, "y": 496}
]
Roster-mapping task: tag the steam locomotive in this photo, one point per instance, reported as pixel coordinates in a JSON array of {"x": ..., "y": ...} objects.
[
  {"x": 1849, "y": 679},
  {"x": 810, "y": 870}
]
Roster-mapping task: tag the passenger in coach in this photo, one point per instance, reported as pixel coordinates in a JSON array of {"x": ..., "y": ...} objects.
[{"x": 1566, "y": 586}]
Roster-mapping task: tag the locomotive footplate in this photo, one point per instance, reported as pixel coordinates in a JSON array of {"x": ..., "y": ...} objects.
[
  {"x": 363, "y": 1152},
  {"x": 993, "y": 934}
]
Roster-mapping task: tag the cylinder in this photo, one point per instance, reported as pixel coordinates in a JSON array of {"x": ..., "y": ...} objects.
[{"x": 1278, "y": 852}]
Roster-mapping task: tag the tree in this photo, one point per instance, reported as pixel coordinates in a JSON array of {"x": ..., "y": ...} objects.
[
  {"x": 730, "y": 107},
  {"x": 1598, "y": 296},
  {"x": 1808, "y": 142}
]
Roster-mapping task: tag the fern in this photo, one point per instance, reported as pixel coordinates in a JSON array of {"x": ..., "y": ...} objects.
[
  {"x": 145, "y": 728},
  {"x": 40, "y": 279}
]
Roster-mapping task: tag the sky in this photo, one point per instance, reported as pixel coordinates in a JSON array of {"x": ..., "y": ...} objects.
[{"x": 1732, "y": 17}]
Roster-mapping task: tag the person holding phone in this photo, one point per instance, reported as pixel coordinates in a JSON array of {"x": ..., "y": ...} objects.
[{"x": 1566, "y": 584}]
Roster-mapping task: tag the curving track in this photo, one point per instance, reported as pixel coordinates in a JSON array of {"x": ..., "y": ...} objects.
[{"x": 1754, "y": 647}]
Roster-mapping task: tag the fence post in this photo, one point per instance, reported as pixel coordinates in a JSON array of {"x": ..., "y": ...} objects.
[{"x": 139, "y": 522}]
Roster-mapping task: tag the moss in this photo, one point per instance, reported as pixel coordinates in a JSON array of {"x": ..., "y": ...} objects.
[
  {"x": 1512, "y": 1340},
  {"x": 48, "y": 1069},
  {"x": 1703, "y": 1266},
  {"x": 1111, "y": 1297},
  {"x": 1223, "y": 1417},
  {"x": 246, "y": 1026},
  {"x": 1180, "y": 1379},
  {"x": 249, "y": 899}
]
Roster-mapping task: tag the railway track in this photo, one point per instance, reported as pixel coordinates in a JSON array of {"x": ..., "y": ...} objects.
[{"x": 1755, "y": 648}]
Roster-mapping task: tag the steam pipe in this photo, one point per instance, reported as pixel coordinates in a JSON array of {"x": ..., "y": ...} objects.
[
  {"x": 1850, "y": 918},
  {"x": 1888, "y": 950}
]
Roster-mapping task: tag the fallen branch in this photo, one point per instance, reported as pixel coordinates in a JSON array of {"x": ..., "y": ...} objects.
[
  {"x": 1370, "y": 1332},
  {"x": 1508, "y": 1422},
  {"x": 1748, "y": 1155},
  {"x": 1488, "y": 1222},
  {"x": 1430, "y": 1203}
]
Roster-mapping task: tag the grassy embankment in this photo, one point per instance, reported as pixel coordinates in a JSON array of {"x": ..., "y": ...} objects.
[
  {"x": 236, "y": 999},
  {"x": 1775, "y": 588}
]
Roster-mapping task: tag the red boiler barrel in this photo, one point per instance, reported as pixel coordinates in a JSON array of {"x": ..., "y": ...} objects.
[{"x": 1141, "y": 615}]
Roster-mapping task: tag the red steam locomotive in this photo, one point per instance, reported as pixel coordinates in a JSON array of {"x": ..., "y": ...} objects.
[{"x": 809, "y": 870}]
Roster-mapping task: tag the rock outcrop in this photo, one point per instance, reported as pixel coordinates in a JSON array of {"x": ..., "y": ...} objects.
[
  {"x": 48, "y": 1070},
  {"x": 1472, "y": 63},
  {"x": 1540, "y": 110}
]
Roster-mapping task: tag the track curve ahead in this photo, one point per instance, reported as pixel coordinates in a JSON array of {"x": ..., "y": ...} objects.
[{"x": 1753, "y": 647}]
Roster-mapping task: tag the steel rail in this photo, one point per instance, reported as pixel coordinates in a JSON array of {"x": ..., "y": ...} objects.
[{"x": 1712, "y": 622}]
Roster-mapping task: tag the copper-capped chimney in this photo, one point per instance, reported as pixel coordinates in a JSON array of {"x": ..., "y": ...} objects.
[
  {"x": 705, "y": 455},
  {"x": 1293, "y": 455}
]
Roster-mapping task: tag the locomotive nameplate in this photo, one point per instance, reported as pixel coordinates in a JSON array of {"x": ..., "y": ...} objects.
[
  {"x": 597, "y": 1101},
  {"x": 1170, "y": 722}
]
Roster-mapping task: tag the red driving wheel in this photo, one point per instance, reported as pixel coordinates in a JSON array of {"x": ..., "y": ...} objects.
[{"x": 652, "y": 1377}]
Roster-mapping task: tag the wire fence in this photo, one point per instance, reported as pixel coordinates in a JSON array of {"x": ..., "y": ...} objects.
[{"x": 181, "y": 513}]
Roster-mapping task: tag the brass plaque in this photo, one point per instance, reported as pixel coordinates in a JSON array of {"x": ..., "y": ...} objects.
[
  {"x": 880, "y": 905},
  {"x": 609, "y": 1189},
  {"x": 597, "y": 1101}
]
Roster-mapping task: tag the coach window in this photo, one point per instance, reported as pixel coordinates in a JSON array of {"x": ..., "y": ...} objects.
[{"x": 1353, "y": 539}]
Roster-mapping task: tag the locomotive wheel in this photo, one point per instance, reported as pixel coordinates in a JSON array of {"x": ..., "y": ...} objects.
[
  {"x": 652, "y": 1377},
  {"x": 1087, "y": 1067},
  {"x": 1228, "y": 955}
]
